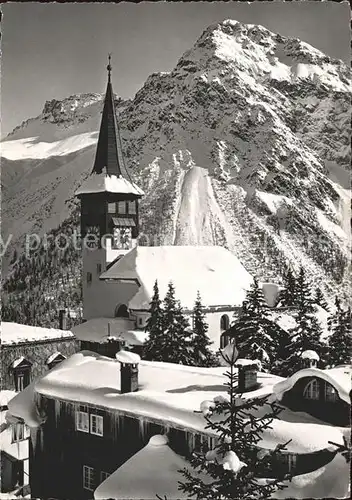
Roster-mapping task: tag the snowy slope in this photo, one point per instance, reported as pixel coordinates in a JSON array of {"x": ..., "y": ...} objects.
[{"x": 244, "y": 144}]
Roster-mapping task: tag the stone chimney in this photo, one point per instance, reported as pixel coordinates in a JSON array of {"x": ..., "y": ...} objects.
[
  {"x": 63, "y": 319},
  {"x": 128, "y": 370},
  {"x": 309, "y": 359},
  {"x": 247, "y": 374}
]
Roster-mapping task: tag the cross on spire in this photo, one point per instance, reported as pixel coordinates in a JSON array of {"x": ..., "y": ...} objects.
[{"x": 108, "y": 67}]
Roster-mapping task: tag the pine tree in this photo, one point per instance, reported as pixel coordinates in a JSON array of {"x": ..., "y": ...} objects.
[
  {"x": 177, "y": 346},
  {"x": 340, "y": 340},
  {"x": 254, "y": 332},
  {"x": 169, "y": 335},
  {"x": 155, "y": 328},
  {"x": 319, "y": 299},
  {"x": 237, "y": 467},
  {"x": 200, "y": 340},
  {"x": 288, "y": 295},
  {"x": 307, "y": 332}
]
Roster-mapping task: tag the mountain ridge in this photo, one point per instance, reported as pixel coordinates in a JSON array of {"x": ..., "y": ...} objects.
[{"x": 266, "y": 143}]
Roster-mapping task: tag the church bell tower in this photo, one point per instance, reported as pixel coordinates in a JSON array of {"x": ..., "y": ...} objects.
[{"x": 109, "y": 204}]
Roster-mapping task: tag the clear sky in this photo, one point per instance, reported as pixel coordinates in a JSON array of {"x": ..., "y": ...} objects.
[{"x": 51, "y": 51}]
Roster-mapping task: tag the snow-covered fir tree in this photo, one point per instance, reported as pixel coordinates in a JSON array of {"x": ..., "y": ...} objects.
[
  {"x": 177, "y": 347},
  {"x": 253, "y": 331},
  {"x": 237, "y": 468},
  {"x": 306, "y": 335},
  {"x": 201, "y": 343},
  {"x": 288, "y": 295},
  {"x": 340, "y": 340},
  {"x": 155, "y": 327},
  {"x": 169, "y": 333},
  {"x": 319, "y": 299}
]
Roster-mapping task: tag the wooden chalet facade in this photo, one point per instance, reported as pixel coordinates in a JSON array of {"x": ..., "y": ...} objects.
[{"x": 80, "y": 445}]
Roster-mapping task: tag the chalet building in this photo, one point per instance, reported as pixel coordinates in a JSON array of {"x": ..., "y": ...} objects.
[
  {"x": 92, "y": 414},
  {"x": 27, "y": 352},
  {"x": 119, "y": 274},
  {"x": 14, "y": 451}
]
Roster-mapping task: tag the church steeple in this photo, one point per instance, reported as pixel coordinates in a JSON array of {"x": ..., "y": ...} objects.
[{"x": 107, "y": 153}]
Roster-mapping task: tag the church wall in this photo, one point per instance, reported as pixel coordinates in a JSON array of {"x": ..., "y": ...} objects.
[{"x": 102, "y": 298}]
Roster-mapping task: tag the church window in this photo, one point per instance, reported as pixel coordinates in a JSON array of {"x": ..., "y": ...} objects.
[
  {"x": 311, "y": 390},
  {"x": 224, "y": 322},
  {"x": 89, "y": 277},
  {"x": 112, "y": 208},
  {"x": 98, "y": 268},
  {"x": 132, "y": 207},
  {"x": 121, "y": 207},
  {"x": 330, "y": 393}
]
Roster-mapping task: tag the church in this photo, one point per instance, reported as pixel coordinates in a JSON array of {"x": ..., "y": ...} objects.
[{"x": 119, "y": 273}]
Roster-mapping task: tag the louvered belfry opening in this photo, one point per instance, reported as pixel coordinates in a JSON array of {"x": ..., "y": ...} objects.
[{"x": 107, "y": 150}]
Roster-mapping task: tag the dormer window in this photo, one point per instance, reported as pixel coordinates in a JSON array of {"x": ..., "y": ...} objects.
[
  {"x": 311, "y": 391},
  {"x": 55, "y": 359},
  {"x": 21, "y": 369}
]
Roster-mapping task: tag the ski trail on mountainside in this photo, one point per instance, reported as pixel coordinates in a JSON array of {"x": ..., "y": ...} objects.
[{"x": 198, "y": 211}]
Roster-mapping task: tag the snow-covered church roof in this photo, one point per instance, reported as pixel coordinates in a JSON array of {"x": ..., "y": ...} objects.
[
  {"x": 339, "y": 378},
  {"x": 14, "y": 333},
  {"x": 216, "y": 272},
  {"x": 154, "y": 470}
]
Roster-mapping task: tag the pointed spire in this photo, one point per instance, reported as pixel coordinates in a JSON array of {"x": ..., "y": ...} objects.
[{"x": 107, "y": 153}]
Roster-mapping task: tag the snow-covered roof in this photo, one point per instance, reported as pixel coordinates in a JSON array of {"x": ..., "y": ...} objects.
[
  {"x": 339, "y": 378},
  {"x": 216, "y": 272},
  {"x": 104, "y": 183},
  {"x": 17, "y": 361},
  {"x": 167, "y": 392},
  {"x": 14, "y": 333},
  {"x": 53, "y": 356},
  {"x": 154, "y": 470},
  {"x": 100, "y": 329}
]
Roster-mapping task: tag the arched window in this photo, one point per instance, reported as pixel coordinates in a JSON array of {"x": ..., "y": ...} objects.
[
  {"x": 224, "y": 322},
  {"x": 311, "y": 391},
  {"x": 121, "y": 311},
  {"x": 330, "y": 392}
]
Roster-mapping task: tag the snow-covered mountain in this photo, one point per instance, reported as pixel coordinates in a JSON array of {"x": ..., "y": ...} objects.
[{"x": 246, "y": 143}]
